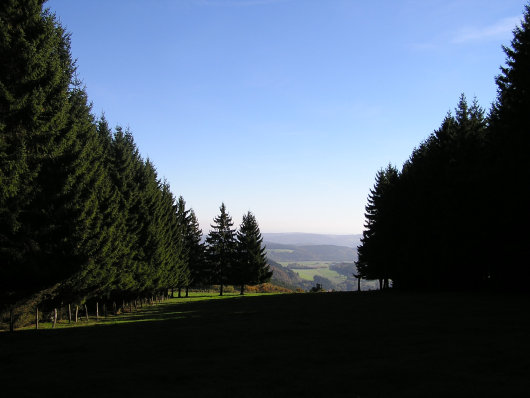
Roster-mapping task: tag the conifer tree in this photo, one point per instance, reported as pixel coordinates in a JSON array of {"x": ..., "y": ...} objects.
[
  {"x": 151, "y": 254},
  {"x": 251, "y": 266},
  {"x": 196, "y": 251},
  {"x": 375, "y": 261},
  {"x": 38, "y": 137},
  {"x": 183, "y": 277},
  {"x": 509, "y": 147},
  {"x": 193, "y": 248},
  {"x": 82, "y": 208},
  {"x": 123, "y": 168},
  {"x": 221, "y": 249}
]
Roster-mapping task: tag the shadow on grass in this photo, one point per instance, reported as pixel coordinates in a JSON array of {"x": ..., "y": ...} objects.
[{"x": 344, "y": 344}]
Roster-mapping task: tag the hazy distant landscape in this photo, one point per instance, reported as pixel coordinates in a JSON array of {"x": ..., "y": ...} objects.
[
  {"x": 315, "y": 258},
  {"x": 310, "y": 239}
]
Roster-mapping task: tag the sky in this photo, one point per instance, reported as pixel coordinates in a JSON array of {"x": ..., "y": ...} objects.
[{"x": 286, "y": 108}]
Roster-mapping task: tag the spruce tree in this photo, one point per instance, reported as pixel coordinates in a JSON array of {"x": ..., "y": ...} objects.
[
  {"x": 151, "y": 255},
  {"x": 183, "y": 276},
  {"x": 38, "y": 137},
  {"x": 375, "y": 260},
  {"x": 251, "y": 266},
  {"x": 82, "y": 209},
  {"x": 196, "y": 251},
  {"x": 193, "y": 248},
  {"x": 510, "y": 163},
  {"x": 124, "y": 163},
  {"x": 221, "y": 249}
]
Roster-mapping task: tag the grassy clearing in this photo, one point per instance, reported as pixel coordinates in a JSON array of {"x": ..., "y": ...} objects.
[
  {"x": 320, "y": 268},
  {"x": 375, "y": 344},
  {"x": 333, "y": 276}
]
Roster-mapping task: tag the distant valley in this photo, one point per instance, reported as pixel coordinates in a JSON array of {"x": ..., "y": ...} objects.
[
  {"x": 280, "y": 253},
  {"x": 303, "y": 260}
]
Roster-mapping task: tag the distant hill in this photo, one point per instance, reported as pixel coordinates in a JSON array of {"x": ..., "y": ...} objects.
[
  {"x": 303, "y": 239},
  {"x": 285, "y": 277},
  {"x": 283, "y": 253}
]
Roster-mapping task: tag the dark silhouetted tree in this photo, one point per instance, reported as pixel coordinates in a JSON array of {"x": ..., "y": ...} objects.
[
  {"x": 251, "y": 266},
  {"x": 221, "y": 248},
  {"x": 375, "y": 259},
  {"x": 509, "y": 148}
]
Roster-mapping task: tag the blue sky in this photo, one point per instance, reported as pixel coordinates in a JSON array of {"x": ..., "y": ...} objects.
[{"x": 286, "y": 108}]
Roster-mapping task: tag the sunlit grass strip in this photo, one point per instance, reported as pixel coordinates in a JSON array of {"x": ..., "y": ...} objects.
[{"x": 148, "y": 313}]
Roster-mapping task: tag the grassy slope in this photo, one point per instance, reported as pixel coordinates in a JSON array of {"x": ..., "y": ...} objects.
[{"x": 333, "y": 344}]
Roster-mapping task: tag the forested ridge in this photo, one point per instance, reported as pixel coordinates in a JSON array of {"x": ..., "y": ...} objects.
[
  {"x": 456, "y": 215},
  {"x": 83, "y": 216}
]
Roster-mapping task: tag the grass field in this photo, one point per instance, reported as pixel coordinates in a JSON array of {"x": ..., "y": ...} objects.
[
  {"x": 321, "y": 268},
  {"x": 374, "y": 344},
  {"x": 144, "y": 314}
]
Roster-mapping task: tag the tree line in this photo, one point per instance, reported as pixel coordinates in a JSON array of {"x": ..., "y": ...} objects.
[
  {"x": 81, "y": 212},
  {"x": 456, "y": 215}
]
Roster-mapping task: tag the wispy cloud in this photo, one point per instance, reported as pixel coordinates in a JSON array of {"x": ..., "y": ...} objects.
[
  {"x": 498, "y": 30},
  {"x": 238, "y": 3}
]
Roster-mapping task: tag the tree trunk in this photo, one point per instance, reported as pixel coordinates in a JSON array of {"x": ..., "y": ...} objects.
[
  {"x": 114, "y": 307},
  {"x": 358, "y": 283},
  {"x": 97, "y": 311},
  {"x": 221, "y": 289},
  {"x": 54, "y": 317},
  {"x": 242, "y": 292},
  {"x": 105, "y": 310},
  {"x": 187, "y": 291},
  {"x": 380, "y": 284},
  {"x": 179, "y": 292},
  {"x": 37, "y": 318},
  {"x": 69, "y": 313},
  {"x": 76, "y": 313},
  {"x": 86, "y": 313}
]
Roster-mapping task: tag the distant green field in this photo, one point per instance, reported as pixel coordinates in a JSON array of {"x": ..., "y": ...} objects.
[{"x": 321, "y": 268}]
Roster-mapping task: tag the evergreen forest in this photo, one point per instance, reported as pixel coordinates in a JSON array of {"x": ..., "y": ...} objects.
[
  {"x": 83, "y": 217},
  {"x": 456, "y": 215}
]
